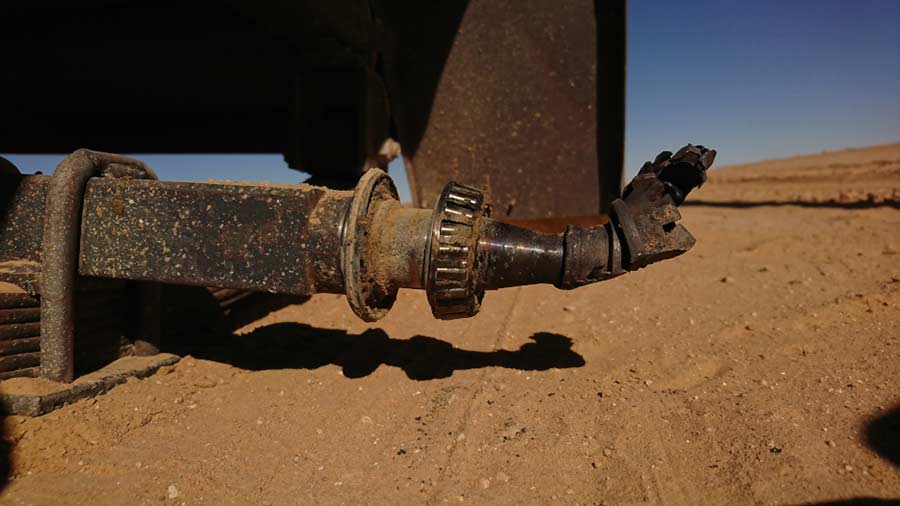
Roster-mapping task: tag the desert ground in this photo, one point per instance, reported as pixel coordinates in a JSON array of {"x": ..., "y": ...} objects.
[{"x": 760, "y": 368}]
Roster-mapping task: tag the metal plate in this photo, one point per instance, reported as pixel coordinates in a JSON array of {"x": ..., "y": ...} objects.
[{"x": 527, "y": 106}]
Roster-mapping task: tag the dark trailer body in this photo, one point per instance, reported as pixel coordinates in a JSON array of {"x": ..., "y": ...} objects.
[{"x": 523, "y": 98}]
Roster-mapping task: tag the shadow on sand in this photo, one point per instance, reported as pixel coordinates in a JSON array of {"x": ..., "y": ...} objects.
[
  {"x": 744, "y": 204},
  {"x": 882, "y": 435},
  {"x": 857, "y": 501},
  {"x": 298, "y": 346}
]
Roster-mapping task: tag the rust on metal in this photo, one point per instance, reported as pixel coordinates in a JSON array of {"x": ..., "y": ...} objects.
[
  {"x": 648, "y": 210},
  {"x": 452, "y": 285},
  {"x": 558, "y": 224},
  {"x": 18, "y": 330},
  {"x": 229, "y": 296},
  {"x": 20, "y": 315},
  {"x": 29, "y": 372},
  {"x": 280, "y": 239},
  {"x": 9, "y": 363},
  {"x": 89, "y": 385},
  {"x": 20, "y": 345},
  {"x": 18, "y": 300},
  {"x": 360, "y": 278},
  {"x": 59, "y": 251},
  {"x": 21, "y": 228},
  {"x": 528, "y": 101}
]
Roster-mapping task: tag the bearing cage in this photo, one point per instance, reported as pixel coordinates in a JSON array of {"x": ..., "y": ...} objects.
[{"x": 451, "y": 277}]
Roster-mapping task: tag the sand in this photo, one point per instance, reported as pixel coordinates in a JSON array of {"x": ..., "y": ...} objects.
[{"x": 763, "y": 367}]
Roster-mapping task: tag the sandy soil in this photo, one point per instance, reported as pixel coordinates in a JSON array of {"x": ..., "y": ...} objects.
[{"x": 763, "y": 367}]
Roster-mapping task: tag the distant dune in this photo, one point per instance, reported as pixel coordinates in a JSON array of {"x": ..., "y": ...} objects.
[{"x": 858, "y": 176}]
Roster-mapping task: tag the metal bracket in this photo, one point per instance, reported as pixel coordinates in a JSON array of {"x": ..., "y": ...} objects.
[
  {"x": 375, "y": 185},
  {"x": 59, "y": 263}
]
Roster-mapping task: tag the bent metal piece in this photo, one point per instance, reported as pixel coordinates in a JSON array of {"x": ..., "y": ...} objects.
[{"x": 60, "y": 247}]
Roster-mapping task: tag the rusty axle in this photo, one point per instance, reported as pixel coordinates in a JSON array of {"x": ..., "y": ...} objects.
[{"x": 305, "y": 239}]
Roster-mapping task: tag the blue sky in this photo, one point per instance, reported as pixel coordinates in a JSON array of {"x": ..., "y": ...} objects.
[
  {"x": 753, "y": 79},
  {"x": 762, "y": 79}
]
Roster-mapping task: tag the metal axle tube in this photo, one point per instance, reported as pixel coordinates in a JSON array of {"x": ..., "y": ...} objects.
[{"x": 305, "y": 239}]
